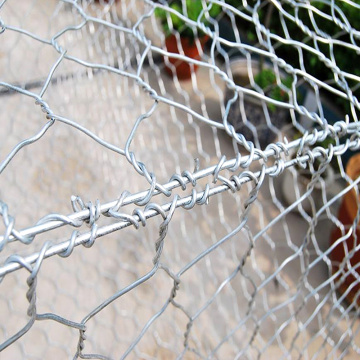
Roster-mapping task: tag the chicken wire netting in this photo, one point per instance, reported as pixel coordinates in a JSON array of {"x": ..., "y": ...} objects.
[{"x": 213, "y": 212}]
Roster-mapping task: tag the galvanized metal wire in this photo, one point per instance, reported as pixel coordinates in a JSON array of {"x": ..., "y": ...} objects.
[{"x": 191, "y": 246}]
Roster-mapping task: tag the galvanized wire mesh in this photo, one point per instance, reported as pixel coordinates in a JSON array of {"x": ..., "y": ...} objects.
[{"x": 200, "y": 240}]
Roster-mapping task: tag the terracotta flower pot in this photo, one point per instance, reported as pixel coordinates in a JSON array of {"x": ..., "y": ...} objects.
[
  {"x": 189, "y": 49},
  {"x": 347, "y": 214}
]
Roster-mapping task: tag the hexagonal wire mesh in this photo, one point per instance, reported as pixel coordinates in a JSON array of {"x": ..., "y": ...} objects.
[{"x": 223, "y": 227}]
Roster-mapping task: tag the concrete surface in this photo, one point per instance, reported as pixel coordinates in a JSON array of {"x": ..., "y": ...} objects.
[{"x": 287, "y": 316}]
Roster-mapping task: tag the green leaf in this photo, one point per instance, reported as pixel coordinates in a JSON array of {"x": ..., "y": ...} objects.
[
  {"x": 193, "y": 8},
  {"x": 215, "y": 10},
  {"x": 176, "y": 21},
  {"x": 160, "y": 13}
]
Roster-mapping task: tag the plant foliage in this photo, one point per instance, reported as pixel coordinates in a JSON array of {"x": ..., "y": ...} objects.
[
  {"x": 266, "y": 79},
  {"x": 317, "y": 20},
  {"x": 195, "y": 10}
]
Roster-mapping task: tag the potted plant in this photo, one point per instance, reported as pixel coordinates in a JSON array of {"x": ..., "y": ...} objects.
[
  {"x": 257, "y": 121},
  {"x": 320, "y": 21},
  {"x": 180, "y": 36}
]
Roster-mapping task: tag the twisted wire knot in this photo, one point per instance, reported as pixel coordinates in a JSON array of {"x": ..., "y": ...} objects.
[{"x": 45, "y": 108}]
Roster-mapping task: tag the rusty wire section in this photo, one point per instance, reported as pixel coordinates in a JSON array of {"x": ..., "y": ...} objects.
[{"x": 212, "y": 259}]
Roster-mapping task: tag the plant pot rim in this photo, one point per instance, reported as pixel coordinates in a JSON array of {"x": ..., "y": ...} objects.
[
  {"x": 240, "y": 66},
  {"x": 242, "y": 63}
]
